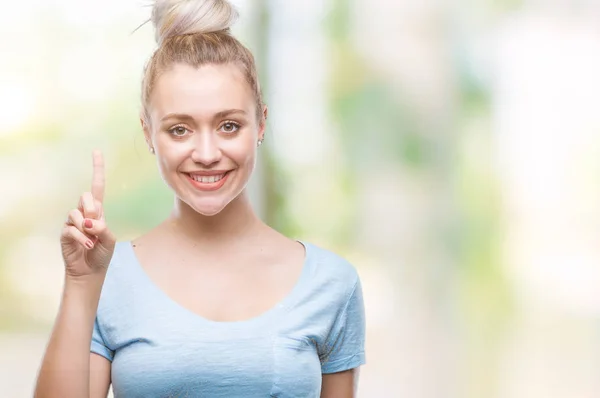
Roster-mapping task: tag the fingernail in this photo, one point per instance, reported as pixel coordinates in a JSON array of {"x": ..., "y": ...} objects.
[
  {"x": 88, "y": 223},
  {"x": 89, "y": 244}
]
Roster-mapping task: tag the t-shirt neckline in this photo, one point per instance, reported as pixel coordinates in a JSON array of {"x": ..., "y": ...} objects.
[{"x": 276, "y": 310}]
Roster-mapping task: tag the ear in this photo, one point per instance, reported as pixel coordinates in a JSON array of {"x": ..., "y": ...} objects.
[
  {"x": 263, "y": 123},
  {"x": 146, "y": 130}
]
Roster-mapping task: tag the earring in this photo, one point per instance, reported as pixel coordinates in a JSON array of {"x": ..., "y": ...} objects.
[
  {"x": 259, "y": 143},
  {"x": 152, "y": 150}
]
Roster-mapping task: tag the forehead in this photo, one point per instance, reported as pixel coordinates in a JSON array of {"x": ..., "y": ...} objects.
[{"x": 201, "y": 91}]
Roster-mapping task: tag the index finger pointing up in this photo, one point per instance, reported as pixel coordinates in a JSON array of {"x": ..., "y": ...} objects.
[{"x": 98, "y": 176}]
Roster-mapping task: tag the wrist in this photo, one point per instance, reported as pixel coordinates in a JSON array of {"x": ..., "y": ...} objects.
[
  {"x": 96, "y": 278},
  {"x": 79, "y": 303},
  {"x": 84, "y": 285}
]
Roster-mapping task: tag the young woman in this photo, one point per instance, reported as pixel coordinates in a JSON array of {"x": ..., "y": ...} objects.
[{"x": 212, "y": 302}]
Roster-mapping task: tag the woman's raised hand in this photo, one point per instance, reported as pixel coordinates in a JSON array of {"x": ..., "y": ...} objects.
[{"x": 87, "y": 243}]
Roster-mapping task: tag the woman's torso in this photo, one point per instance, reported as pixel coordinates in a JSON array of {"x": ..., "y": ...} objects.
[{"x": 159, "y": 348}]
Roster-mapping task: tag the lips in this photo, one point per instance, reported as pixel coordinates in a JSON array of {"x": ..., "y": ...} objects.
[{"x": 208, "y": 181}]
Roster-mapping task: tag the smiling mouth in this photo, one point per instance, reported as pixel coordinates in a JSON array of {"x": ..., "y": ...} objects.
[{"x": 208, "y": 179}]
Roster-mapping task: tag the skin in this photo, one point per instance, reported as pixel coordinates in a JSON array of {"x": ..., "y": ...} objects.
[{"x": 201, "y": 120}]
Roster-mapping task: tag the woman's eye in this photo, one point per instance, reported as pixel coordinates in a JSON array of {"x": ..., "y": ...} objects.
[
  {"x": 178, "y": 131},
  {"x": 230, "y": 127}
]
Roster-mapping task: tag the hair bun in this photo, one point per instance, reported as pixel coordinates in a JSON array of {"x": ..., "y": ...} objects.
[{"x": 180, "y": 17}]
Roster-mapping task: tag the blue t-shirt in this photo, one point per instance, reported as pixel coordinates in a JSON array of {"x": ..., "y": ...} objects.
[{"x": 158, "y": 348}]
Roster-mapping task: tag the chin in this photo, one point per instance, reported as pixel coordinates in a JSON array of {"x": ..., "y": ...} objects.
[{"x": 208, "y": 207}]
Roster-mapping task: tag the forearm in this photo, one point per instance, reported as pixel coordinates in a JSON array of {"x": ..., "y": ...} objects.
[{"x": 65, "y": 369}]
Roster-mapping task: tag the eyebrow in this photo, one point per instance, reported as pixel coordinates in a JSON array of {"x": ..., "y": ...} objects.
[{"x": 218, "y": 115}]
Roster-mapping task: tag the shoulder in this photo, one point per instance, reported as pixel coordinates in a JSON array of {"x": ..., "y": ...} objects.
[
  {"x": 331, "y": 263},
  {"x": 331, "y": 271}
]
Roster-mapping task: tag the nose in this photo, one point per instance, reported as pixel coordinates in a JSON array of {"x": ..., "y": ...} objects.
[{"x": 206, "y": 149}]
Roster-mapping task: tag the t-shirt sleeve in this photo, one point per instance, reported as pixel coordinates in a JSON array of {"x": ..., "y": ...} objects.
[
  {"x": 345, "y": 345},
  {"x": 98, "y": 345}
]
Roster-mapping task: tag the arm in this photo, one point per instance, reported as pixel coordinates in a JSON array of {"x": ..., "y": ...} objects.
[
  {"x": 68, "y": 369},
  {"x": 100, "y": 368},
  {"x": 340, "y": 385}
]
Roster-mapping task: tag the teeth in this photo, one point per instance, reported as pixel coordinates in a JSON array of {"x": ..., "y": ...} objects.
[{"x": 207, "y": 179}]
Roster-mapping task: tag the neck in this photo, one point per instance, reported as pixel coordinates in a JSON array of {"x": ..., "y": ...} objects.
[{"x": 235, "y": 221}]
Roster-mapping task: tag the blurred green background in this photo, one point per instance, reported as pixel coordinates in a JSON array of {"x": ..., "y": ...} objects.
[{"x": 448, "y": 149}]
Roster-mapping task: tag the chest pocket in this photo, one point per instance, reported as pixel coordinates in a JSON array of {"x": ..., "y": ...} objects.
[{"x": 297, "y": 369}]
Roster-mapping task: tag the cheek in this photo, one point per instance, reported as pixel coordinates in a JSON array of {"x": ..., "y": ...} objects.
[
  {"x": 170, "y": 154},
  {"x": 242, "y": 151},
  {"x": 250, "y": 161}
]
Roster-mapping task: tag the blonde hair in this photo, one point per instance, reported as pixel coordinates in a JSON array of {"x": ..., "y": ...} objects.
[{"x": 196, "y": 33}]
